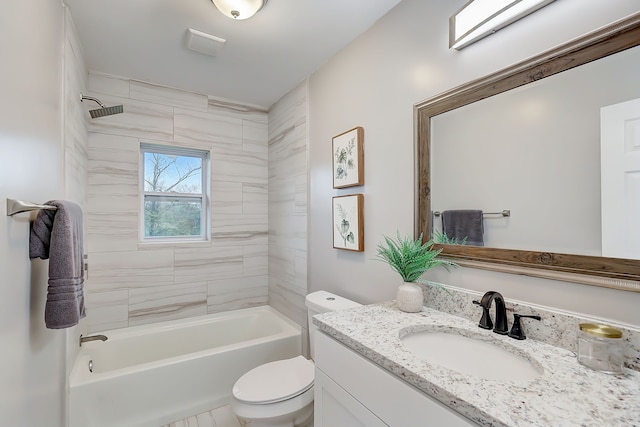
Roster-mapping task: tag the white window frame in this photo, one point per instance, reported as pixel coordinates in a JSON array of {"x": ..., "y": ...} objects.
[{"x": 203, "y": 197}]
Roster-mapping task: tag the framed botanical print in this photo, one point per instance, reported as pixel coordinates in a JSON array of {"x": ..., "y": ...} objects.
[
  {"x": 348, "y": 158},
  {"x": 348, "y": 222}
]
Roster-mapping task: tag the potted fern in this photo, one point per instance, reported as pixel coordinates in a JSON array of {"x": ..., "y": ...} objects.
[{"x": 410, "y": 258}]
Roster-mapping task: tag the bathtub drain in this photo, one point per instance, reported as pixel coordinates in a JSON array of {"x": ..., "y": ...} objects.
[{"x": 90, "y": 365}]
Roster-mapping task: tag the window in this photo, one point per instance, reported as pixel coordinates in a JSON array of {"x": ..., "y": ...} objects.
[{"x": 174, "y": 188}]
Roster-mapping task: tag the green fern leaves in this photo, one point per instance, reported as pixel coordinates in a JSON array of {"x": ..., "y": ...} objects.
[{"x": 410, "y": 258}]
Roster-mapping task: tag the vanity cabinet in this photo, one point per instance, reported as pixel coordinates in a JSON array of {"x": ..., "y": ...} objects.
[{"x": 351, "y": 391}]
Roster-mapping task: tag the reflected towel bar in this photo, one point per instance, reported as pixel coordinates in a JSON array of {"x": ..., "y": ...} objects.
[
  {"x": 505, "y": 213},
  {"x": 18, "y": 206}
]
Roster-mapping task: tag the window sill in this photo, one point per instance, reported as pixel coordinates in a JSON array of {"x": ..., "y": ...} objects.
[{"x": 174, "y": 244}]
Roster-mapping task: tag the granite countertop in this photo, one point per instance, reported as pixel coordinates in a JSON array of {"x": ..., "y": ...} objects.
[{"x": 565, "y": 394}]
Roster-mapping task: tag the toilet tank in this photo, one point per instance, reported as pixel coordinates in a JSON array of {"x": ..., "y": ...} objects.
[{"x": 323, "y": 302}]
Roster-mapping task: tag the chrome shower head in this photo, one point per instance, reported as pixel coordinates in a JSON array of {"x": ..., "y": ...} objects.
[{"x": 103, "y": 110}]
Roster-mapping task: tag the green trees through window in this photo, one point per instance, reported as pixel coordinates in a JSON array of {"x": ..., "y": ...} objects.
[{"x": 175, "y": 192}]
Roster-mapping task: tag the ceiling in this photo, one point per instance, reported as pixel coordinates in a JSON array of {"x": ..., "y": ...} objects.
[{"x": 263, "y": 58}]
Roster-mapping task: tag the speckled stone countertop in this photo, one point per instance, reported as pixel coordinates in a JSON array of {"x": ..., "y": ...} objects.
[{"x": 565, "y": 394}]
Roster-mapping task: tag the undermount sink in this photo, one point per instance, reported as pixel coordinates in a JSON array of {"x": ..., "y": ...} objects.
[{"x": 471, "y": 354}]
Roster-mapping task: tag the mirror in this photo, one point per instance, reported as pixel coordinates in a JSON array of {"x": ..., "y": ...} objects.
[{"x": 578, "y": 252}]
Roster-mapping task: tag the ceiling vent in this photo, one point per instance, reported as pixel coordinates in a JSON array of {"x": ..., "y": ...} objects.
[{"x": 204, "y": 43}]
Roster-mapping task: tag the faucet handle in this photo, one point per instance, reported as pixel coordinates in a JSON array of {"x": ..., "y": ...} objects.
[
  {"x": 485, "y": 320},
  {"x": 516, "y": 331}
]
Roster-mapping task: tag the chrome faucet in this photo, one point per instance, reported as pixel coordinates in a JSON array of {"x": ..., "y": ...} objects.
[
  {"x": 93, "y": 338},
  {"x": 501, "y": 313}
]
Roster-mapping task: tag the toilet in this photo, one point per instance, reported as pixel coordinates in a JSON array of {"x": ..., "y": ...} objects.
[{"x": 280, "y": 393}]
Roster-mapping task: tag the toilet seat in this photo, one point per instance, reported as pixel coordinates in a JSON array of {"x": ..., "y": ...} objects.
[{"x": 275, "y": 381}]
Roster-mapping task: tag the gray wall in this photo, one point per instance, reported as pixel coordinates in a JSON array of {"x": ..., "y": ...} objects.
[
  {"x": 43, "y": 157},
  {"x": 374, "y": 83}
]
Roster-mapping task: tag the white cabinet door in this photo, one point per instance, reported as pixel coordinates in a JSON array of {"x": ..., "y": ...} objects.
[
  {"x": 334, "y": 407},
  {"x": 364, "y": 390}
]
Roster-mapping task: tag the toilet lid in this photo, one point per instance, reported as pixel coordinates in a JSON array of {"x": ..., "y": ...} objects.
[{"x": 275, "y": 381}]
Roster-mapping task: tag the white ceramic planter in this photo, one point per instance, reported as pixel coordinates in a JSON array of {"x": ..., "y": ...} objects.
[{"x": 409, "y": 297}]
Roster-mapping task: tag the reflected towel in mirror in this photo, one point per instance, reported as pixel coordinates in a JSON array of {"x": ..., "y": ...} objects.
[{"x": 460, "y": 224}]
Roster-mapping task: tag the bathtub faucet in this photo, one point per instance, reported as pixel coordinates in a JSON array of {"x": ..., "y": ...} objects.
[{"x": 93, "y": 338}]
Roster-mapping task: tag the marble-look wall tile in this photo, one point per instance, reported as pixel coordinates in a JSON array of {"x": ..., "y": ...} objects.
[
  {"x": 111, "y": 231},
  {"x": 239, "y": 111},
  {"x": 282, "y": 196},
  {"x": 74, "y": 127},
  {"x": 140, "y": 119},
  {"x": 227, "y": 197},
  {"x": 231, "y": 294},
  {"x": 290, "y": 230},
  {"x": 114, "y": 148},
  {"x": 113, "y": 193},
  {"x": 290, "y": 111},
  {"x": 286, "y": 146},
  {"x": 106, "y": 84},
  {"x": 255, "y": 199},
  {"x": 255, "y": 136},
  {"x": 233, "y": 230},
  {"x": 113, "y": 165},
  {"x": 162, "y": 303},
  {"x": 202, "y": 264},
  {"x": 301, "y": 196},
  {"x": 282, "y": 264},
  {"x": 130, "y": 269},
  {"x": 168, "y": 96},
  {"x": 206, "y": 130},
  {"x": 287, "y": 196},
  {"x": 301, "y": 268},
  {"x": 114, "y": 203},
  {"x": 156, "y": 282},
  {"x": 288, "y": 300},
  {"x": 232, "y": 165},
  {"x": 255, "y": 260},
  {"x": 107, "y": 310}
]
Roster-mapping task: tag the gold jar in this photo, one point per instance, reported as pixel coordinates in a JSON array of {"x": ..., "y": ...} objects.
[{"x": 601, "y": 347}]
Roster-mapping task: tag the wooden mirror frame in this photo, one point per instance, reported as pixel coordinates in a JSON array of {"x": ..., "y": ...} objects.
[{"x": 615, "y": 273}]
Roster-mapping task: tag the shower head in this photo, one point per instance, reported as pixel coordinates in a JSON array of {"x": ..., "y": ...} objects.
[
  {"x": 103, "y": 110},
  {"x": 106, "y": 111}
]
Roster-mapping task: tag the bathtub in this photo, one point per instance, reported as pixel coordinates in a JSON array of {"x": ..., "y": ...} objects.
[{"x": 147, "y": 376}]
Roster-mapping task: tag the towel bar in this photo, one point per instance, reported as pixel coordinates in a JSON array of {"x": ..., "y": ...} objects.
[
  {"x": 18, "y": 206},
  {"x": 504, "y": 213}
]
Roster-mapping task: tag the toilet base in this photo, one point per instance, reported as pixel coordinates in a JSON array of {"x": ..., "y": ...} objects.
[
  {"x": 294, "y": 412},
  {"x": 304, "y": 419}
]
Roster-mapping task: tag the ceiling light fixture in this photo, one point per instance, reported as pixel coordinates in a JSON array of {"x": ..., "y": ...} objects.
[
  {"x": 239, "y": 9},
  {"x": 480, "y": 18}
]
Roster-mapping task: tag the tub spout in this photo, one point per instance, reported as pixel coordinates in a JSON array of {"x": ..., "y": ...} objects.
[{"x": 93, "y": 338}]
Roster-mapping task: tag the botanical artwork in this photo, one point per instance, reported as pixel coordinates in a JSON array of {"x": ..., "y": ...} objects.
[
  {"x": 348, "y": 159},
  {"x": 348, "y": 224}
]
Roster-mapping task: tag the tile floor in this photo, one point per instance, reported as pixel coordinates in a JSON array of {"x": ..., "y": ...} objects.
[{"x": 221, "y": 417}]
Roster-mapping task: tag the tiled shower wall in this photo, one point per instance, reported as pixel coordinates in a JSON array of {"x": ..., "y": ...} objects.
[
  {"x": 288, "y": 205},
  {"x": 130, "y": 283},
  {"x": 75, "y": 127}
]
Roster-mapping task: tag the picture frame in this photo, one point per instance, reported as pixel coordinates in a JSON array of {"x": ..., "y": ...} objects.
[
  {"x": 348, "y": 222},
  {"x": 348, "y": 158}
]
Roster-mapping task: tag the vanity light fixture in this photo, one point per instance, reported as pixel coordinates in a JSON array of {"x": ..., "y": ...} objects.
[
  {"x": 239, "y": 9},
  {"x": 480, "y": 18}
]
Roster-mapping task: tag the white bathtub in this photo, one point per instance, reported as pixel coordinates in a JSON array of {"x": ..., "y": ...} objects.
[{"x": 147, "y": 376}]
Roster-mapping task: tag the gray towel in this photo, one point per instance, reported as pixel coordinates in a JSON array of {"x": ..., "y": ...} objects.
[
  {"x": 57, "y": 235},
  {"x": 458, "y": 224}
]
